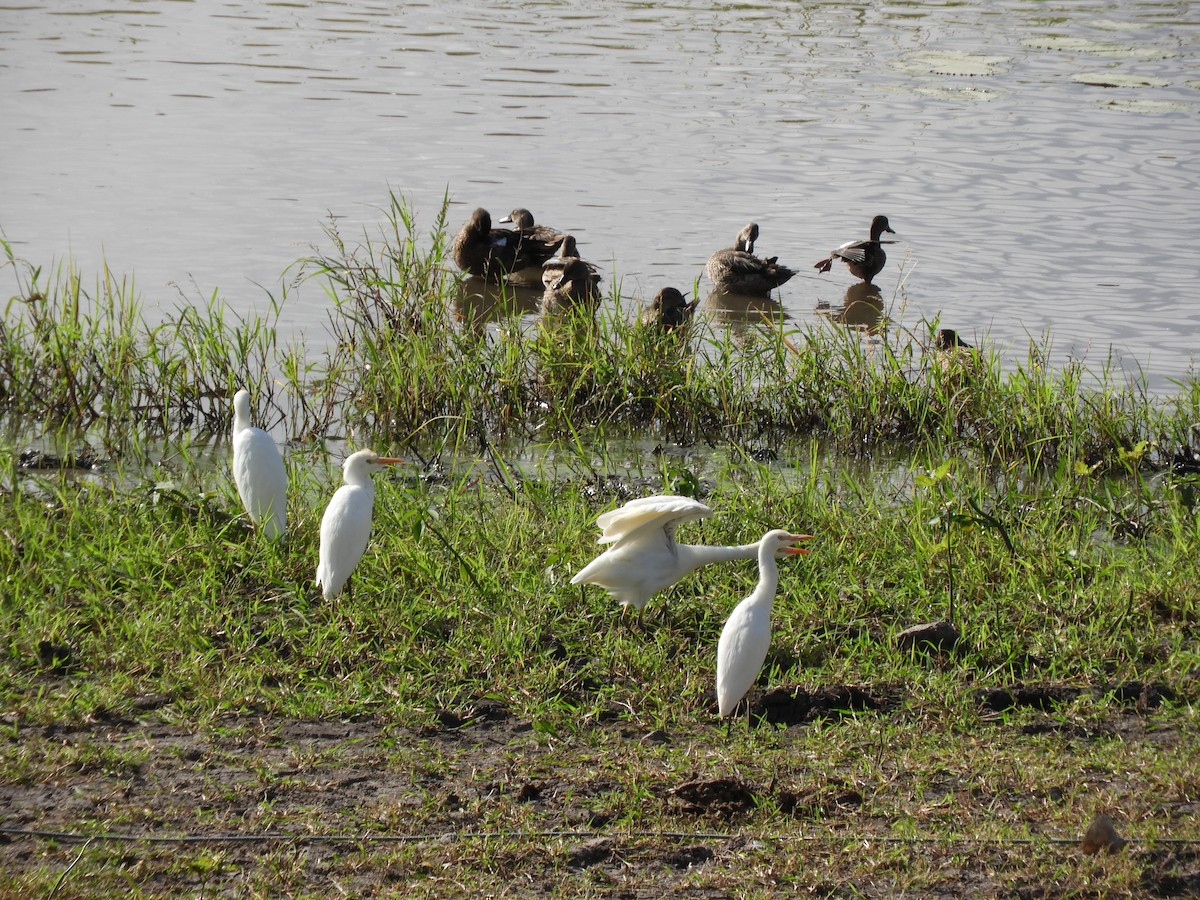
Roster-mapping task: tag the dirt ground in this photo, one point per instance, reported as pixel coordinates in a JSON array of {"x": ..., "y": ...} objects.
[{"x": 363, "y": 808}]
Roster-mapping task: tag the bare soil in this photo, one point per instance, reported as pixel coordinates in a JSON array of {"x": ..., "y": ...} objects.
[{"x": 485, "y": 805}]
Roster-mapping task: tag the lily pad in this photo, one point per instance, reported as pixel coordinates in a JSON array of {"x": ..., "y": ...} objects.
[
  {"x": 1112, "y": 79},
  {"x": 953, "y": 62},
  {"x": 954, "y": 93},
  {"x": 1152, "y": 106},
  {"x": 1099, "y": 48},
  {"x": 1114, "y": 25}
]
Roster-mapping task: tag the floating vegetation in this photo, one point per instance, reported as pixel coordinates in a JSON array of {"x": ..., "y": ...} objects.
[
  {"x": 1114, "y": 80},
  {"x": 1099, "y": 48},
  {"x": 979, "y": 95},
  {"x": 953, "y": 63},
  {"x": 1152, "y": 107}
]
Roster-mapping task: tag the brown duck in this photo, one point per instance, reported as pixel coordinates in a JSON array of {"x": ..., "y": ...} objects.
[
  {"x": 522, "y": 220},
  {"x": 569, "y": 280},
  {"x": 493, "y": 253},
  {"x": 864, "y": 259},
  {"x": 668, "y": 310},
  {"x": 737, "y": 270}
]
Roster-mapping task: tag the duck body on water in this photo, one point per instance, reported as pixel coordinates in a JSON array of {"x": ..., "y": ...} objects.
[
  {"x": 258, "y": 471},
  {"x": 746, "y": 637},
  {"x": 346, "y": 524},
  {"x": 737, "y": 270},
  {"x": 522, "y": 220},
  {"x": 568, "y": 280},
  {"x": 668, "y": 310},
  {"x": 495, "y": 253},
  {"x": 864, "y": 259}
]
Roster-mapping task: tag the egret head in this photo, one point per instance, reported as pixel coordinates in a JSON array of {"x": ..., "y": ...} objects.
[{"x": 782, "y": 542}]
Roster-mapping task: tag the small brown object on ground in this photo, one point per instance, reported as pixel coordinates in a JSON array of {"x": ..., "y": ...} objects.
[{"x": 1101, "y": 835}]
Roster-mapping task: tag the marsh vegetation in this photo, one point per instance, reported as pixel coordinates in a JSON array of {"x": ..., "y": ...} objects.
[{"x": 168, "y": 671}]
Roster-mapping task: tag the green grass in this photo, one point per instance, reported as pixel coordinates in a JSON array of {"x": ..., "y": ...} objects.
[{"x": 1032, "y": 507}]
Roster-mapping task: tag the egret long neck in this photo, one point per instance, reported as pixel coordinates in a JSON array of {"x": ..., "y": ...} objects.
[
  {"x": 696, "y": 555},
  {"x": 241, "y": 414},
  {"x": 768, "y": 578}
]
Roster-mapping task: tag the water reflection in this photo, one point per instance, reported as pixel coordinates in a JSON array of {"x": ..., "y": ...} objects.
[
  {"x": 861, "y": 309},
  {"x": 478, "y": 302},
  {"x": 800, "y": 116},
  {"x": 742, "y": 310}
]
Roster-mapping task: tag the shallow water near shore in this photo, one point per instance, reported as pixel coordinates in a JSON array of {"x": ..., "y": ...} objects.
[{"x": 1036, "y": 160}]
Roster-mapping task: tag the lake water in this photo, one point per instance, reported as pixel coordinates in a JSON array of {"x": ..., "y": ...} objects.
[{"x": 1038, "y": 160}]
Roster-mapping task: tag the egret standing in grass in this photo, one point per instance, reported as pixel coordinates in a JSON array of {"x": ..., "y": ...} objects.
[
  {"x": 258, "y": 471},
  {"x": 746, "y": 636},
  {"x": 644, "y": 557},
  {"x": 346, "y": 525}
]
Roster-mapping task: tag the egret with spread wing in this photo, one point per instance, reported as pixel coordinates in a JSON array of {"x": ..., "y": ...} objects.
[{"x": 644, "y": 557}]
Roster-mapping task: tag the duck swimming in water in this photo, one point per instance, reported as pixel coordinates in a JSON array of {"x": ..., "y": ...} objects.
[
  {"x": 668, "y": 310},
  {"x": 864, "y": 259},
  {"x": 569, "y": 280},
  {"x": 493, "y": 253},
  {"x": 737, "y": 270},
  {"x": 522, "y": 221}
]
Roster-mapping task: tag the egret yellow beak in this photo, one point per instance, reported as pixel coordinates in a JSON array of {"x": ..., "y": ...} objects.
[{"x": 797, "y": 551}]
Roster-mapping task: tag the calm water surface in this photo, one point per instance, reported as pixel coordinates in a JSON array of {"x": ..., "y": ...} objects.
[{"x": 1039, "y": 160}]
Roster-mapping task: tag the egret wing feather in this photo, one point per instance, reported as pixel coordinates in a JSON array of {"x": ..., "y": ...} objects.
[{"x": 661, "y": 511}]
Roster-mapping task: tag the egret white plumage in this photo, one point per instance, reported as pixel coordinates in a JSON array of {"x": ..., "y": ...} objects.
[
  {"x": 644, "y": 557},
  {"x": 258, "y": 470},
  {"x": 346, "y": 525},
  {"x": 746, "y": 636}
]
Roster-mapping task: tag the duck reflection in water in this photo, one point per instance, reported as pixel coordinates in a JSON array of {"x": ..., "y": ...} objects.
[
  {"x": 477, "y": 302},
  {"x": 861, "y": 309},
  {"x": 744, "y": 309}
]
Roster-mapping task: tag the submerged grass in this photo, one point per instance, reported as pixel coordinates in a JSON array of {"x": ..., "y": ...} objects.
[{"x": 149, "y": 634}]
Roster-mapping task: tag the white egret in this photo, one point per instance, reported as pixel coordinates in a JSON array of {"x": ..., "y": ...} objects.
[
  {"x": 258, "y": 470},
  {"x": 746, "y": 636},
  {"x": 644, "y": 557},
  {"x": 346, "y": 525}
]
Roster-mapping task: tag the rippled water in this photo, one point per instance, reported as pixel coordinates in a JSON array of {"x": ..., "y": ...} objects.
[{"x": 202, "y": 145}]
